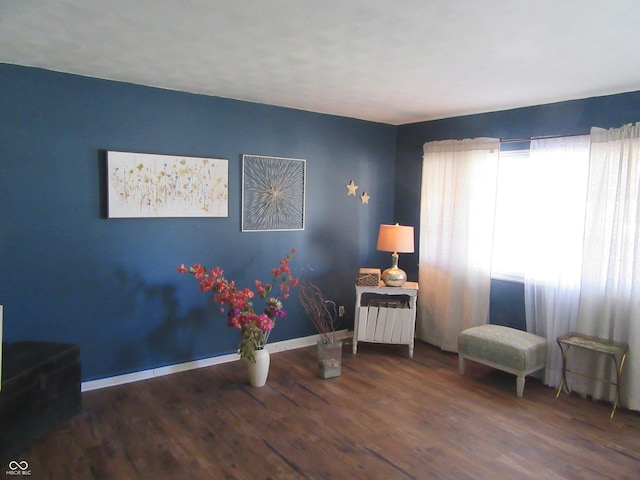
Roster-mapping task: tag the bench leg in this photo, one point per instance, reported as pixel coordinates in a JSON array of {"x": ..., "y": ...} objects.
[
  {"x": 462, "y": 364},
  {"x": 520, "y": 385}
]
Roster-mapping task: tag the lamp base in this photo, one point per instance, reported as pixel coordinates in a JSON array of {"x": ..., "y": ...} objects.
[{"x": 394, "y": 277}]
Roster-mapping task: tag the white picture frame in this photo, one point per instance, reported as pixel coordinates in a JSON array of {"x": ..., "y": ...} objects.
[
  {"x": 142, "y": 185},
  {"x": 273, "y": 193}
]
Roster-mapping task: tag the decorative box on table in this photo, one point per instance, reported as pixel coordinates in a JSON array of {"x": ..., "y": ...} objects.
[
  {"x": 40, "y": 390},
  {"x": 368, "y": 277}
]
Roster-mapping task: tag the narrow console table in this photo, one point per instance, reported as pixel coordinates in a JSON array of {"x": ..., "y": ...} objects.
[
  {"x": 615, "y": 350},
  {"x": 385, "y": 315}
]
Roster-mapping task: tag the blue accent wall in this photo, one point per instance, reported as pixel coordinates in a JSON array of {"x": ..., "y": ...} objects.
[
  {"x": 506, "y": 304},
  {"x": 563, "y": 118},
  {"x": 70, "y": 274}
]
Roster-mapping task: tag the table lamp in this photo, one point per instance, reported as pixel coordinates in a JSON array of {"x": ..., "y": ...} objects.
[{"x": 396, "y": 239}]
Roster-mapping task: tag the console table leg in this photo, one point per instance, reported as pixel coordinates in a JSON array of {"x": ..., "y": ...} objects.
[
  {"x": 563, "y": 382},
  {"x": 618, "y": 373}
]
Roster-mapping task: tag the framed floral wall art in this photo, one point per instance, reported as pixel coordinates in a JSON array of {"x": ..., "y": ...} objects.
[
  {"x": 273, "y": 193},
  {"x": 148, "y": 185}
]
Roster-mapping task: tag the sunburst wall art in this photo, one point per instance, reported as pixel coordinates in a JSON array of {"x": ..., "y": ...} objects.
[{"x": 273, "y": 191}]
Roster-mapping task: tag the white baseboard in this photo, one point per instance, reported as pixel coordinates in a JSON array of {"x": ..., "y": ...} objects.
[{"x": 204, "y": 362}]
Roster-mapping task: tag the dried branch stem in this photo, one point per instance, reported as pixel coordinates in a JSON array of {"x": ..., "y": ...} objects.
[{"x": 323, "y": 312}]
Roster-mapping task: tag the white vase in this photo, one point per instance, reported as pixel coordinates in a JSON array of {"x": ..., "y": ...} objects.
[{"x": 259, "y": 371}]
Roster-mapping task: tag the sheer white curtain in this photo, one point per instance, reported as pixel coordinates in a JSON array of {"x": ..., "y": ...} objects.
[
  {"x": 456, "y": 232},
  {"x": 557, "y": 188},
  {"x": 610, "y": 296}
]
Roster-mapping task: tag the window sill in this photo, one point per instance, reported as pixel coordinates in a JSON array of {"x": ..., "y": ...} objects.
[{"x": 507, "y": 277}]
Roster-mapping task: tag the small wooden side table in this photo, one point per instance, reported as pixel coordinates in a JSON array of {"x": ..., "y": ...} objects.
[{"x": 616, "y": 350}]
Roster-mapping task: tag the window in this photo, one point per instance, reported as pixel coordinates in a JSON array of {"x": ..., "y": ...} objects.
[
  {"x": 510, "y": 221},
  {"x": 540, "y": 202}
]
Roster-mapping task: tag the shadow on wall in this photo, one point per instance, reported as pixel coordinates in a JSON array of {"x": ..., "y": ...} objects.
[
  {"x": 334, "y": 271},
  {"x": 155, "y": 334},
  {"x": 325, "y": 281}
]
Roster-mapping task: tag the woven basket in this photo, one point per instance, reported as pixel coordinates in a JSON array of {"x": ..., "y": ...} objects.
[{"x": 368, "y": 277}]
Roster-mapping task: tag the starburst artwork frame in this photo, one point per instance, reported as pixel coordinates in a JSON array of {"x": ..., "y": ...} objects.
[{"x": 273, "y": 193}]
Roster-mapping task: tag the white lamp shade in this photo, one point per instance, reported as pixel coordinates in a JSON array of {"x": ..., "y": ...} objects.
[{"x": 395, "y": 238}]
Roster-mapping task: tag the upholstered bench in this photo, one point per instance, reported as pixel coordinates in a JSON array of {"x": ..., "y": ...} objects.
[{"x": 507, "y": 349}]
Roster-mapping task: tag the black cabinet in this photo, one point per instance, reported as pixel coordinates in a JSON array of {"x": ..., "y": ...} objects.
[{"x": 40, "y": 390}]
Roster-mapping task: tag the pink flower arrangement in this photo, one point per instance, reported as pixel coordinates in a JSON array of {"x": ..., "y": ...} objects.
[{"x": 255, "y": 327}]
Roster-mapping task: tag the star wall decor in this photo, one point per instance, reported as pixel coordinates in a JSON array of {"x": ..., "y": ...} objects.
[
  {"x": 351, "y": 188},
  {"x": 364, "y": 198}
]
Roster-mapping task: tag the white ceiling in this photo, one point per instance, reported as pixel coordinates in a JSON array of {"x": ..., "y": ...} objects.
[{"x": 390, "y": 61}]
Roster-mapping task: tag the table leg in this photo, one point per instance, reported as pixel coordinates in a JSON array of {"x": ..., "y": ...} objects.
[
  {"x": 356, "y": 323},
  {"x": 618, "y": 373},
  {"x": 563, "y": 382}
]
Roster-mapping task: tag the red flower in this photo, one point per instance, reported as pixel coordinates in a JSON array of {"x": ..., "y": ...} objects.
[
  {"x": 198, "y": 270},
  {"x": 255, "y": 328}
]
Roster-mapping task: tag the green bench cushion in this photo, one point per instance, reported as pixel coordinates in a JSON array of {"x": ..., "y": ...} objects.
[{"x": 505, "y": 346}]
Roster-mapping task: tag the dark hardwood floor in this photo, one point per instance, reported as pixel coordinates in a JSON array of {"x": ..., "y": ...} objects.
[{"x": 386, "y": 417}]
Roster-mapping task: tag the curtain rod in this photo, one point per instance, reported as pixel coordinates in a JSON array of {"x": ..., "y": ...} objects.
[
  {"x": 541, "y": 137},
  {"x": 524, "y": 139}
]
